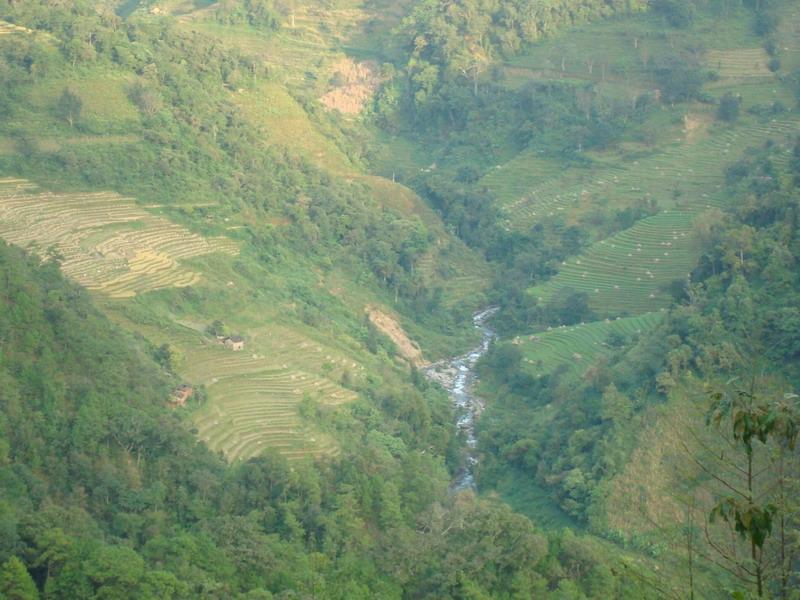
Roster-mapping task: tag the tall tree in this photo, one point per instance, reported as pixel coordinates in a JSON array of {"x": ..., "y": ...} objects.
[
  {"x": 69, "y": 106},
  {"x": 16, "y": 582}
]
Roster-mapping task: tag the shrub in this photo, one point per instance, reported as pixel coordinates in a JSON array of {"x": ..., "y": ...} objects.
[{"x": 729, "y": 106}]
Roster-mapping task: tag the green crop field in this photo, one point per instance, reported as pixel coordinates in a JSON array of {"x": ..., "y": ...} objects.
[
  {"x": 627, "y": 273},
  {"x": 578, "y": 345},
  {"x": 684, "y": 172},
  {"x": 254, "y": 395},
  {"x": 119, "y": 250},
  {"x": 740, "y": 63}
]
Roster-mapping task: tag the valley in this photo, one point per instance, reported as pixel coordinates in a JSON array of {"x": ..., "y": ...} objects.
[{"x": 451, "y": 289}]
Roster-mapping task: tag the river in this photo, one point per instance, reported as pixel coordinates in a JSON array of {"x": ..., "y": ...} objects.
[{"x": 457, "y": 376}]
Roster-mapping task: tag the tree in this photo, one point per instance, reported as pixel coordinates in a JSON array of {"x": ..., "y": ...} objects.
[
  {"x": 216, "y": 328},
  {"x": 69, "y": 106},
  {"x": 16, "y": 582},
  {"x": 751, "y": 483},
  {"x": 678, "y": 13},
  {"x": 728, "y": 110},
  {"x": 163, "y": 356},
  {"x": 144, "y": 96}
]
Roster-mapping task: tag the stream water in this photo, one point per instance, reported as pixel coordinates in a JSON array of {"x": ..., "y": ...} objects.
[{"x": 457, "y": 376}]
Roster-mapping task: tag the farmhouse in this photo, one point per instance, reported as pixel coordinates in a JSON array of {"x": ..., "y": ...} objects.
[
  {"x": 181, "y": 394},
  {"x": 234, "y": 342}
]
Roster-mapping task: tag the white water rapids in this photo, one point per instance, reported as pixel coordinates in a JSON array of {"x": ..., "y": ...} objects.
[{"x": 457, "y": 376}]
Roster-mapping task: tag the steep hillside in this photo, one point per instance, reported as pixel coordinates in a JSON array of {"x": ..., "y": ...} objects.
[
  {"x": 106, "y": 495},
  {"x": 235, "y": 197}
]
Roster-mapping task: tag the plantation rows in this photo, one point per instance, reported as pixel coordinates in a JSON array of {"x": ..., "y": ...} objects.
[
  {"x": 739, "y": 63},
  {"x": 251, "y": 413},
  {"x": 627, "y": 273},
  {"x": 107, "y": 243},
  {"x": 579, "y": 345},
  {"x": 254, "y": 394},
  {"x": 253, "y": 399},
  {"x": 684, "y": 174}
]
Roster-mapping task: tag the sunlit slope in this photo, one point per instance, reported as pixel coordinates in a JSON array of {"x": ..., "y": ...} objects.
[
  {"x": 255, "y": 395},
  {"x": 677, "y": 151},
  {"x": 287, "y": 112},
  {"x": 7, "y": 28},
  {"x": 107, "y": 243},
  {"x": 125, "y": 254},
  {"x": 628, "y": 273},
  {"x": 155, "y": 273},
  {"x": 674, "y": 161}
]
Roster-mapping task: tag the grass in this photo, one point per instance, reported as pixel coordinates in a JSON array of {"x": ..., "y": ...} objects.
[
  {"x": 605, "y": 52},
  {"x": 285, "y": 122},
  {"x": 103, "y": 93},
  {"x": 788, "y": 37},
  {"x": 685, "y": 170},
  {"x": 254, "y": 395},
  {"x": 578, "y": 345},
  {"x": 677, "y": 152},
  {"x": 627, "y": 273},
  {"x": 125, "y": 253},
  {"x": 521, "y": 492}
]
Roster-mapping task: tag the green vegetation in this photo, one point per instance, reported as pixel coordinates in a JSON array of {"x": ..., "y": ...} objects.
[
  {"x": 278, "y": 211},
  {"x": 576, "y": 430},
  {"x": 107, "y": 495}
]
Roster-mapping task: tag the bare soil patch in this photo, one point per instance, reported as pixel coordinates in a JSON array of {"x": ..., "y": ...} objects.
[
  {"x": 354, "y": 85},
  {"x": 389, "y": 326}
]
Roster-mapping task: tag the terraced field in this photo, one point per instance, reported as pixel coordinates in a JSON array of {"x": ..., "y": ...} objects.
[
  {"x": 247, "y": 414},
  {"x": 307, "y": 38},
  {"x": 107, "y": 243},
  {"x": 741, "y": 63},
  {"x": 578, "y": 345},
  {"x": 254, "y": 395},
  {"x": 7, "y": 28},
  {"x": 626, "y": 273},
  {"x": 789, "y": 39},
  {"x": 463, "y": 279},
  {"x": 685, "y": 173}
]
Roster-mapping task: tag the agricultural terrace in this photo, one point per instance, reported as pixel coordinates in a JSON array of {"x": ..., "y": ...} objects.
[
  {"x": 788, "y": 36},
  {"x": 686, "y": 173},
  {"x": 309, "y": 37},
  {"x": 739, "y": 63},
  {"x": 627, "y": 273},
  {"x": 579, "y": 345},
  {"x": 254, "y": 396},
  {"x": 106, "y": 242},
  {"x": 7, "y": 28}
]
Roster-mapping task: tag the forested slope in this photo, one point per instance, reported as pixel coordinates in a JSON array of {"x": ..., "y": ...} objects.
[
  {"x": 625, "y": 175},
  {"x": 592, "y": 164},
  {"x": 106, "y": 495},
  {"x": 158, "y": 163}
]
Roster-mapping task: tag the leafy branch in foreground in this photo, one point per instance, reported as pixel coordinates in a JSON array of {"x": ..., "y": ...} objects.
[{"x": 756, "y": 494}]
